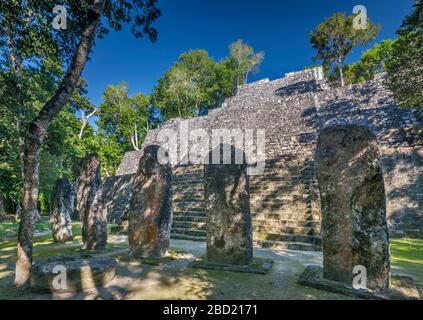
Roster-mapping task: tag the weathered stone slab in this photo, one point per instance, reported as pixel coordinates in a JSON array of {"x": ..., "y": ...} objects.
[
  {"x": 256, "y": 266},
  {"x": 354, "y": 228},
  {"x": 403, "y": 287},
  {"x": 95, "y": 224},
  {"x": 87, "y": 186},
  {"x": 62, "y": 208},
  {"x": 72, "y": 273},
  {"x": 150, "y": 209},
  {"x": 227, "y": 207}
]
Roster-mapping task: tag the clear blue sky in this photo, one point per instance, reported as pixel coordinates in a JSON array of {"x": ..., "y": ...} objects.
[{"x": 279, "y": 27}]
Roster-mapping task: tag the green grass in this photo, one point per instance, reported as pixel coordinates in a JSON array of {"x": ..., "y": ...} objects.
[
  {"x": 407, "y": 258},
  {"x": 9, "y": 229}
]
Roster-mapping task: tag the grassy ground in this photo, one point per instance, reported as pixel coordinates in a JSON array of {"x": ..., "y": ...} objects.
[
  {"x": 407, "y": 258},
  {"x": 9, "y": 229},
  {"x": 173, "y": 280}
]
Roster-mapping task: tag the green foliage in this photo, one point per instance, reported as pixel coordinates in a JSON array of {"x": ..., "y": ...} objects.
[
  {"x": 197, "y": 82},
  {"x": 405, "y": 67},
  {"x": 245, "y": 60},
  {"x": 193, "y": 82},
  {"x": 33, "y": 57},
  {"x": 124, "y": 117},
  {"x": 335, "y": 38},
  {"x": 372, "y": 62}
]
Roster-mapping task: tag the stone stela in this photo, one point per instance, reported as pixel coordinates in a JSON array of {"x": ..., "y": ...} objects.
[
  {"x": 150, "y": 210},
  {"x": 354, "y": 228},
  {"x": 62, "y": 208},
  {"x": 94, "y": 225},
  {"x": 228, "y": 216}
]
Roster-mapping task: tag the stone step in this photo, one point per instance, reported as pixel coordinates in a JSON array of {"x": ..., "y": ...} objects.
[
  {"x": 195, "y": 206},
  {"x": 188, "y": 182},
  {"x": 189, "y": 218},
  {"x": 283, "y": 179},
  {"x": 185, "y": 206},
  {"x": 191, "y": 187},
  {"x": 309, "y": 231},
  {"x": 180, "y": 207},
  {"x": 190, "y": 214},
  {"x": 285, "y": 186},
  {"x": 187, "y": 169},
  {"x": 299, "y": 246},
  {"x": 189, "y": 232},
  {"x": 276, "y": 211},
  {"x": 188, "y": 178},
  {"x": 284, "y": 237},
  {"x": 288, "y": 215},
  {"x": 290, "y": 185},
  {"x": 289, "y": 223},
  {"x": 284, "y": 171},
  {"x": 177, "y": 236},
  {"x": 188, "y": 175},
  {"x": 281, "y": 206},
  {"x": 189, "y": 225},
  {"x": 188, "y": 199}
]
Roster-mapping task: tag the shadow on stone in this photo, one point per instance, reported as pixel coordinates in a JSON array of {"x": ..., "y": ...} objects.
[
  {"x": 72, "y": 273},
  {"x": 354, "y": 226},
  {"x": 256, "y": 266},
  {"x": 62, "y": 208},
  {"x": 227, "y": 202},
  {"x": 150, "y": 209}
]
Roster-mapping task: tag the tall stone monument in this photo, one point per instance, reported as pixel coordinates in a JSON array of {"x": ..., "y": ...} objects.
[
  {"x": 87, "y": 187},
  {"x": 150, "y": 209},
  {"x": 62, "y": 207},
  {"x": 228, "y": 216},
  {"x": 354, "y": 227}
]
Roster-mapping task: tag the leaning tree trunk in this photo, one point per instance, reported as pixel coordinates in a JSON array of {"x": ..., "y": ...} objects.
[
  {"x": 34, "y": 139},
  {"x": 341, "y": 72}
]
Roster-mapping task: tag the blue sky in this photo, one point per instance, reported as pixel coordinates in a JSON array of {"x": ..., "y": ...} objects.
[{"x": 278, "y": 27}]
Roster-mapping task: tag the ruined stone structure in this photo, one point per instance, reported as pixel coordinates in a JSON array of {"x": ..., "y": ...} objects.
[
  {"x": 285, "y": 203},
  {"x": 353, "y": 202},
  {"x": 228, "y": 216},
  {"x": 62, "y": 208},
  {"x": 150, "y": 209}
]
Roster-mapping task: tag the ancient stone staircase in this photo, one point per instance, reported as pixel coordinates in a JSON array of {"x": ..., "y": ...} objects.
[
  {"x": 284, "y": 208},
  {"x": 188, "y": 204},
  {"x": 282, "y": 204}
]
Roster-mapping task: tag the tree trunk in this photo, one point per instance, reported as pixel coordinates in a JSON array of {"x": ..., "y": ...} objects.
[
  {"x": 34, "y": 139},
  {"x": 84, "y": 122},
  {"x": 341, "y": 72}
]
